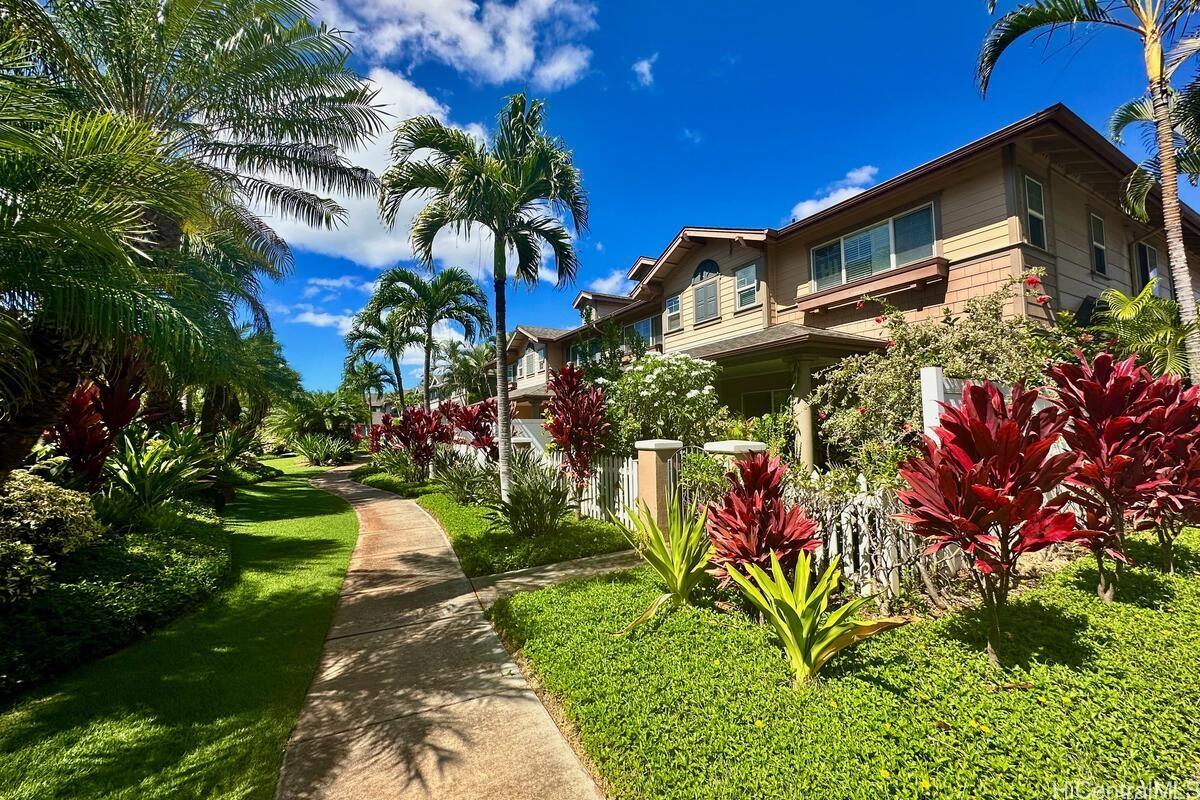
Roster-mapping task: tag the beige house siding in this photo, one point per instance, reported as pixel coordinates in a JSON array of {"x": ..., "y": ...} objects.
[
  {"x": 730, "y": 322},
  {"x": 974, "y": 216}
]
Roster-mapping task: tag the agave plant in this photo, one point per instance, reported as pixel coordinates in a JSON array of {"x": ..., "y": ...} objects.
[
  {"x": 679, "y": 554},
  {"x": 797, "y": 611}
]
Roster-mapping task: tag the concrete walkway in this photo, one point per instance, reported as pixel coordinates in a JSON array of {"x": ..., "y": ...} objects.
[{"x": 415, "y": 697}]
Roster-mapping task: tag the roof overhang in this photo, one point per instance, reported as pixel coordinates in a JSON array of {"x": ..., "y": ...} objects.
[
  {"x": 604, "y": 297},
  {"x": 689, "y": 239}
]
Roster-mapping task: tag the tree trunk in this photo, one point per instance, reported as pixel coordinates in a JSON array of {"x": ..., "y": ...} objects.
[
  {"x": 503, "y": 424},
  {"x": 399, "y": 379},
  {"x": 1105, "y": 588},
  {"x": 428, "y": 364},
  {"x": 1181, "y": 278},
  {"x": 991, "y": 607}
]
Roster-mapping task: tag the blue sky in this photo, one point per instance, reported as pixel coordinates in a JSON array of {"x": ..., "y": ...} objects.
[{"x": 704, "y": 113}]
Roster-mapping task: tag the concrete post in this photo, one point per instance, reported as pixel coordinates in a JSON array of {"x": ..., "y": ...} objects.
[
  {"x": 654, "y": 489},
  {"x": 806, "y": 441},
  {"x": 933, "y": 394},
  {"x": 522, "y": 443},
  {"x": 734, "y": 450}
]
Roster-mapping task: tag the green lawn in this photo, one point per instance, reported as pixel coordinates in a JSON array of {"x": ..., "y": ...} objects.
[
  {"x": 698, "y": 704},
  {"x": 202, "y": 707},
  {"x": 483, "y": 550}
]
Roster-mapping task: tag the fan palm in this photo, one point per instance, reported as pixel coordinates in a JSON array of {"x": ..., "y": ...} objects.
[
  {"x": 1147, "y": 326},
  {"x": 377, "y": 333},
  {"x": 1166, "y": 45},
  {"x": 518, "y": 186},
  {"x": 450, "y": 296}
]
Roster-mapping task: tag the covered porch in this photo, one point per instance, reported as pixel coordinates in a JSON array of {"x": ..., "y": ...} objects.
[{"x": 773, "y": 369}]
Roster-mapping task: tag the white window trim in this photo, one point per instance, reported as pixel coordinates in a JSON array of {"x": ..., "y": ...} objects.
[
  {"x": 1094, "y": 244},
  {"x": 891, "y": 223},
  {"x": 1160, "y": 288},
  {"x": 667, "y": 314},
  {"x": 715, "y": 280},
  {"x": 1040, "y": 215},
  {"x": 738, "y": 305}
]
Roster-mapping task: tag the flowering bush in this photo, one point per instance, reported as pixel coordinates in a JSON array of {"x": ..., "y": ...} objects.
[
  {"x": 665, "y": 397},
  {"x": 754, "y": 520},
  {"x": 869, "y": 406},
  {"x": 576, "y": 423},
  {"x": 982, "y": 485}
]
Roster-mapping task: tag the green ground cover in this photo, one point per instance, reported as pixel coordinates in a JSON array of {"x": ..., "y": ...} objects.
[
  {"x": 202, "y": 707},
  {"x": 369, "y": 475},
  {"x": 484, "y": 550},
  {"x": 699, "y": 704}
]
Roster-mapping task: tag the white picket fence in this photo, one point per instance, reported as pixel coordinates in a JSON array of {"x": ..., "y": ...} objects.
[{"x": 613, "y": 487}]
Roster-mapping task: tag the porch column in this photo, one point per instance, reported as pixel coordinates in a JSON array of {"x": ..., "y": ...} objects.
[
  {"x": 806, "y": 444},
  {"x": 653, "y": 487}
]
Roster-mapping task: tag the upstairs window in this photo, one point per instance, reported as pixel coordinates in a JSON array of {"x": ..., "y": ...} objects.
[
  {"x": 746, "y": 286},
  {"x": 1146, "y": 262},
  {"x": 883, "y": 246},
  {"x": 1099, "y": 250},
  {"x": 649, "y": 330},
  {"x": 706, "y": 270},
  {"x": 671, "y": 312},
  {"x": 1035, "y": 213}
]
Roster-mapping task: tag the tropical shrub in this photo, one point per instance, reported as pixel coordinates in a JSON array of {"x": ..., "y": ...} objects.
[
  {"x": 234, "y": 448},
  {"x": 577, "y": 425},
  {"x": 479, "y": 420},
  {"x": 145, "y": 472},
  {"x": 777, "y": 431},
  {"x": 679, "y": 554},
  {"x": 1146, "y": 326},
  {"x": 797, "y": 610},
  {"x": 52, "y": 520},
  {"x": 395, "y": 460},
  {"x": 982, "y": 484},
  {"x": 22, "y": 571},
  {"x": 665, "y": 397},
  {"x": 869, "y": 406},
  {"x": 754, "y": 520},
  {"x": 464, "y": 479},
  {"x": 702, "y": 477},
  {"x": 1113, "y": 428},
  {"x": 323, "y": 450},
  {"x": 328, "y": 413},
  {"x": 420, "y": 432},
  {"x": 538, "y": 499}
]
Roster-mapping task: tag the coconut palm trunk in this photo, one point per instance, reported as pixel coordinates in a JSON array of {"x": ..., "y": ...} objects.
[
  {"x": 1181, "y": 277},
  {"x": 398, "y": 376},
  {"x": 503, "y": 423},
  {"x": 428, "y": 366}
]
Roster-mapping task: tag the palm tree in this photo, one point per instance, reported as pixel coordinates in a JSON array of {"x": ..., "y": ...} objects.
[
  {"x": 451, "y": 296},
  {"x": 519, "y": 186},
  {"x": 1166, "y": 45},
  {"x": 377, "y": 333},
  {"x": 1147, "y": 326},
  {"x": 465, "y": 369},
  {"x": 366, "y": 376}
]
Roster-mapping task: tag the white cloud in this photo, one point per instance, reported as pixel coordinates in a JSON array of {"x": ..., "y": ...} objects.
[
  {"x": 855, "y": 182},
  {"x": 691, "y": 136},
  {"x": 324, "y": 319},
  {"x": 490, "y": 41},
  {"x": 599, "y": 247},
  {"x": 562, "y": 68},
  {"x": 643, "y": 70},
  {"x": 614, "y": 282}
]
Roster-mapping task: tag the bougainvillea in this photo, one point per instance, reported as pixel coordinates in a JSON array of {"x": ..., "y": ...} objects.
[
  {"x": 576, "y": 423},
  {"x": 754, "y": 519},
  {"x": 1115, "y": 427},
  {"x": 982, "y": 485}
]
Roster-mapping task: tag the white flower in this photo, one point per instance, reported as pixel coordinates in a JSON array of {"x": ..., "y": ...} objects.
[{"x": 692, "y": 393}]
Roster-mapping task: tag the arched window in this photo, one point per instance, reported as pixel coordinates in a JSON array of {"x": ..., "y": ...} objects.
[{"x": 707, "y": 269}]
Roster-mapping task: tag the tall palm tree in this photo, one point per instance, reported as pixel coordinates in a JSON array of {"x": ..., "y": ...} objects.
[
  {"x": 377, "y": 333},
  {"x": 1161, "y": 26},
  {"x": 450, "y": 296},
  {"x": 366, "y": 376},
  {"x": 519, "y": 186}
]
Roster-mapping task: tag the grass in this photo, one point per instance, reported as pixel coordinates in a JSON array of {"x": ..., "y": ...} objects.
[
  {"x": 201, "y": 708},
  {"x": 698, "y": 704},
  {"x": 483, "y": 550}
]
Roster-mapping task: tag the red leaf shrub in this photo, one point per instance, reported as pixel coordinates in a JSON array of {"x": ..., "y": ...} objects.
[
  {"x": 753, "y": 520},
  {"x": 576, "y": 423},
  {"x": 1117, "y": 418},
  {"x": 420, "y": 432},
  {"x": 479, "y": 420},
  {"x": 981, "y": 484}
]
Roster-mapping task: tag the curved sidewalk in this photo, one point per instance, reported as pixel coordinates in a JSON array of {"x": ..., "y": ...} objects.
[{"x": 415, "y": 697}]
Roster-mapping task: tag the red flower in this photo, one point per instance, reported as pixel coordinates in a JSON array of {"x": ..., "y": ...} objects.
[
  {"x": 822, "y": 415},
  {"x": 1033, "y": 281},
  {"x": 879, "y": 320},
  {"x": 1042, "y": 299},
  {"x": 862, "y": 409},
  {"x": 890, "y": 342},
  {"x": 859, "y": 305}
]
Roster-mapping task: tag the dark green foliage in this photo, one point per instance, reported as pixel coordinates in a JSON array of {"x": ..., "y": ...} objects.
[
  {"x": 104, "y": 595},
  {"x": 50, "y": 519},
  {"x": 397, "y": 462},
  {"x": 699, "y": 704},
  {"x": 485, "y": 549},
  {"x": 323, "y": 450},
  {"x": 538, "y": 500},
  {"x": 465, "y": 479}
]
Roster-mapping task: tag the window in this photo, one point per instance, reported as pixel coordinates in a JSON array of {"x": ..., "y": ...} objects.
[
  {"x": 531, "y": 360},
  {"x": 706, "y": 270},
  {"x": 1146, "y": 259},
  {"x": 755, "y": 404},
  {"x": 649, "y": 330},
  {"x": 674, "y": 318},
  {"x": 705, "y": 298},
  {"x": 1035, "y": 213},
  {"x": 512, "y": 371},
  {"x": 746, "y": 286},
  {"x": 892, "y": 243},
  {"x": 1099, "y": 251}
]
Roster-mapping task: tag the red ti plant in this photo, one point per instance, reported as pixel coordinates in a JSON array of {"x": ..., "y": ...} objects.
[
  {"x": 479, "y": 420},
  {"x": 754, "y": 519},
  {"x": 1115, "y": 429},
  {"x": 420, "y": 432},
  {"x": 576, "y": 423},
  {"x": 981, "y": 484},
  {"x": 1175, "y": 502}
]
